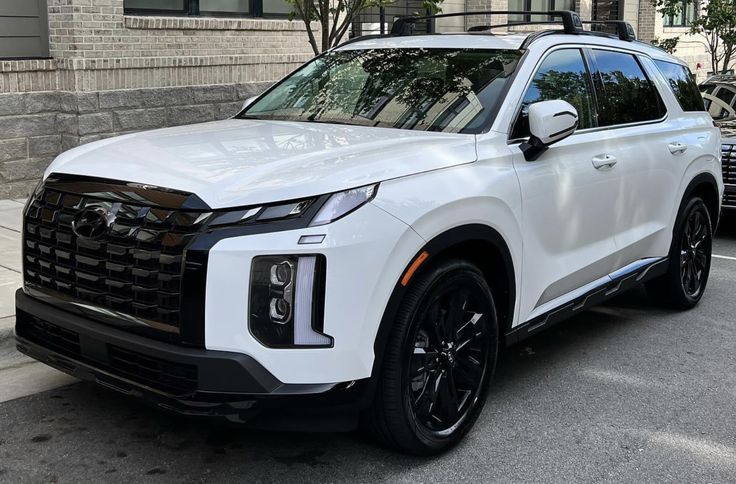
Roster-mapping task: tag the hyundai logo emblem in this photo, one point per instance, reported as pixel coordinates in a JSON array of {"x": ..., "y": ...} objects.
[{"x": 92, "y": 222}]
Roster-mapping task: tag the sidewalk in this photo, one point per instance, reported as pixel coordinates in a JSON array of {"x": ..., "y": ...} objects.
[
  {"x": 10, "y": 262},
  {"x": 19, "y": 375}
]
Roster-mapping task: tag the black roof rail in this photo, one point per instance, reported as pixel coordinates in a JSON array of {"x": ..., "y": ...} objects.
[
  {"x": 571, "y": 22},
  {"x": 624, "y": 29}
]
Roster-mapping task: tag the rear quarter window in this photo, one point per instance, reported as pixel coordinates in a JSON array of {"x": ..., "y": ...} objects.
[{"x": 682, "y": 84}]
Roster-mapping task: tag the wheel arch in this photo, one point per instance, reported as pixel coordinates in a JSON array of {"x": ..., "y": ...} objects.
[
  {"x": 705, "y": 186},
  {"x": 477, "y": 243}
]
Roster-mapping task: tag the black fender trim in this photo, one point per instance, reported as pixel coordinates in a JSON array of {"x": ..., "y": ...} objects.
[
  {"x": 698, "y": 180},
  {"x": 618, "y": 283}
]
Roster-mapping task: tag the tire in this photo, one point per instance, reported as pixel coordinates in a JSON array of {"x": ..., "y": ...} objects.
[
  {"x": 683, "y": 285},
  {"x": 430, "y": 369}
]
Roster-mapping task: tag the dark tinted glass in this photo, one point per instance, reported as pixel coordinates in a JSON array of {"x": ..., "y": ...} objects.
[
  {"x": 625, "y": 94},
  {"x": 450, "y": 90},
  {"x": 683, "y": 85},
  {"x": 562, "y": 75}
]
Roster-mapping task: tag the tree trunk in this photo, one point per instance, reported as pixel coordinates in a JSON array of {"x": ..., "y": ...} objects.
[{"x": 325, "y": 14}]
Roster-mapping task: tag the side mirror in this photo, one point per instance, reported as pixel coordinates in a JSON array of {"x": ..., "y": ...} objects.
[
  {"x": 549, "y": 122},
  {"x": 248, "y": 102}
]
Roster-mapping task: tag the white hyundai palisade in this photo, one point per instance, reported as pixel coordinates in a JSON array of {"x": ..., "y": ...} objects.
[{"x": 356, "y": 244}]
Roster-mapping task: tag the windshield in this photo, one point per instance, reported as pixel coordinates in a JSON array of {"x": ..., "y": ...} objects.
[{"x": 449, "y": 90}]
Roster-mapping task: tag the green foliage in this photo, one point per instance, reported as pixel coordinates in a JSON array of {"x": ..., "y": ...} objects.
[
  {"x": 715, "y": 21},
  {"x": 667, "y": 45}
]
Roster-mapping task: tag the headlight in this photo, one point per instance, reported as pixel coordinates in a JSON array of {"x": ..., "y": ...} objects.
[
  {"x": 333, "y": 206},
  {"x": 287, "y": 301},
  {"x": 342, "y": 203}
]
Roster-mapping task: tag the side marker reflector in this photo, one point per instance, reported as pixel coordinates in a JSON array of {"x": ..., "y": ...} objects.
[{"x": 413, "y": 267}]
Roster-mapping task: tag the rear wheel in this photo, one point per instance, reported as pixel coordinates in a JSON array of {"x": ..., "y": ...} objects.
[
  {"x": 439, "y": 359},
  {"x": 690, "y": 258}
]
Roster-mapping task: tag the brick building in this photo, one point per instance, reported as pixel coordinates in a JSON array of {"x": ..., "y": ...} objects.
[
  {"x": 104, "y": 68},
  {"x": 74, "y": 71}
]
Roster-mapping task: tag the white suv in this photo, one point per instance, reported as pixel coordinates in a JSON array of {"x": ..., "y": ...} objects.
[{"x": 359, "y": 242}]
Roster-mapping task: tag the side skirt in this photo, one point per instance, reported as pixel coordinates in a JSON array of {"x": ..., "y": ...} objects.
[{"x": 619, "y": 282}]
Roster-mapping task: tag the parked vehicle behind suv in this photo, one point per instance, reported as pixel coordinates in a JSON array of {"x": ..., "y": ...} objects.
[
  {"x": 359, "y": 242},
  {"x": 719, "y": 94}
]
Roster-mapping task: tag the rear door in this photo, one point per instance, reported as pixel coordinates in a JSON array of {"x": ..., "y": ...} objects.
[{"x": 648, "y": 146}]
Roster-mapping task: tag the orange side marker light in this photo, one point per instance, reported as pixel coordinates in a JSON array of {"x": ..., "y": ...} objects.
[{"x": 413, "y": 267}]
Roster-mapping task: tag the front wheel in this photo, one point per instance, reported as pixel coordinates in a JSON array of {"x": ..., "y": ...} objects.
[
  {"x": 440, "y": 356},
  {"x": 690, "y": 257}
]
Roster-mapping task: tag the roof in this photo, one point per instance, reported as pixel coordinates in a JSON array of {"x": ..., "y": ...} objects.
[
  {"x": 438, "y": 41},
  {"x": 485, "y": 40},
  {"x": 721, "y": 79}
]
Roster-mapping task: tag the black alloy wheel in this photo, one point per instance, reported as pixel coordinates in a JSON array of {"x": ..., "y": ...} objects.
[
  {"x": 439, "y": 359},
  {"x": 449, "y": 358},
  {"x": 695, "y": 252},
  {"x": 683, "y": 285}
]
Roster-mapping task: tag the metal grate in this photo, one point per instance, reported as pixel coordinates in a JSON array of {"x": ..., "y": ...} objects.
[
  {"x": 135, "y": 268},
  {"x": 729, "y": 164},
  {"x": 379, "y": 20}
]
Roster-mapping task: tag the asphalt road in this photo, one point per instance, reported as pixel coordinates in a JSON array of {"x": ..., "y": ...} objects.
[{"x": 628, "y": 392}]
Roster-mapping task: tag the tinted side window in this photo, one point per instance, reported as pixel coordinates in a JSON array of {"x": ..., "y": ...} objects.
[
  {"x": 562, "y": 75},
  {"x": 683, "y": 85},
  {"x": 624, "y": 93}
]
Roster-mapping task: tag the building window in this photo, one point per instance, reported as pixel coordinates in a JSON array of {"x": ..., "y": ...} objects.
[
  {"x": 684, "y": 18},
  {"x": 537, "y": 6},
  {"x": 230, "y": 8}
]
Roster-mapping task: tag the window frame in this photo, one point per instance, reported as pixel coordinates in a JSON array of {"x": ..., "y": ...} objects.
[
  {"x": 528, "y": 6},
  {"x": 586, "y": 48},
  {"x": 191, "y": 8},
  {"x": 669, "y": 20}
]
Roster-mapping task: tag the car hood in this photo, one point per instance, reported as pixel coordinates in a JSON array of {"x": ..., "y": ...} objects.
[{"x": 244, "y": 162}]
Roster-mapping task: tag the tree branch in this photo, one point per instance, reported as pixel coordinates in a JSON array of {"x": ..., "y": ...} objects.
[{"x": 304, "y": 12}]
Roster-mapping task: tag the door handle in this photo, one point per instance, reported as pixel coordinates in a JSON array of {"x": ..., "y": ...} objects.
[
  {"x": 604, "y": 161},
  {"x": 676, "y": 147}
]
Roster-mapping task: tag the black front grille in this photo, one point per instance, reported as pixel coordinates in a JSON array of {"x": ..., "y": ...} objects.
[
  {"x": 135, "y": 268},
  {"x": 166, "y": 376},
  {"x": 58, "y": 339},
  {"x": 729, "y": 199},
  {"x": 153, "y": 372},
  {"x": 729, "y": 164}
]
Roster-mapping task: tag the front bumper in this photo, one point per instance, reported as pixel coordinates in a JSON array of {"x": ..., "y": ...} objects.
[{"x": 186, "y": 380}]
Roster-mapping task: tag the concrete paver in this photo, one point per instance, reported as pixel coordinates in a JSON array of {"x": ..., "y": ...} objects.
[
  {"x": 10, "y": 215},
  {"x": 9, "y": 282}
]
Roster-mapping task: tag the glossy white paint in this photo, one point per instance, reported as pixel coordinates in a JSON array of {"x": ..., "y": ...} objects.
[
  {"x": 552, "y": 121},
  {"x": 245, "y": 162},
  {"x": 366, "y": 253},
  {"x": 567, "y": 224}
]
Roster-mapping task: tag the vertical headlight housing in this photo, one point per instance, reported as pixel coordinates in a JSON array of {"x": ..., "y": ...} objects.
[{"x": 287, "y": 301}]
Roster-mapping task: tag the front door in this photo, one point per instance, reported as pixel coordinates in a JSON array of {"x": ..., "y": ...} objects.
[{"x": 568, "y": 204}]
